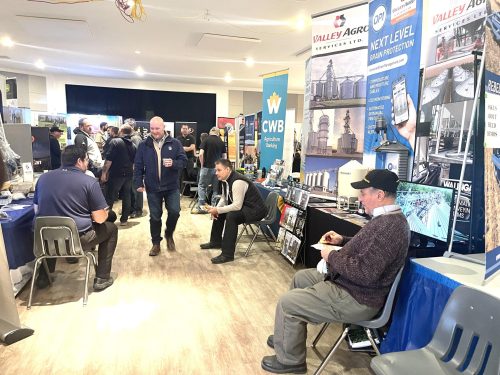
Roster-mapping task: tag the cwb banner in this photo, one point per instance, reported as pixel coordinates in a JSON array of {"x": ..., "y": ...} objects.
[
  {"x": 275, "y": 86},
  {"x": 393, "y": 84}
]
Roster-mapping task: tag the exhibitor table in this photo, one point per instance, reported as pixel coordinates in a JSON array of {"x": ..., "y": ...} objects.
[{"x": 425, "y": 287}]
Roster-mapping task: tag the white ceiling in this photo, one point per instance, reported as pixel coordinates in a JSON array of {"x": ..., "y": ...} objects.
[{"x": 93, "y": 39}]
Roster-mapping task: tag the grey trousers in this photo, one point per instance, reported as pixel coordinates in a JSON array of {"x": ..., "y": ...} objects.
[{"x": 311, "y": 300}]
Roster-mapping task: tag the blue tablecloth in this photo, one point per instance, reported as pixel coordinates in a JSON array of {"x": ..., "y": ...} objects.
[
  {"x": 17, "y": 234},
  {"x": 423, "y": 294}
]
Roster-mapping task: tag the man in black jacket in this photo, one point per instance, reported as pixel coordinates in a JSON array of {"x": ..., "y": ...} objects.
[
  {"x": 118, "y": 171},
  {"x": 240, "y": 203},
  {"x": 55, "y": 147},
  {"x": 158, "y": 162}
]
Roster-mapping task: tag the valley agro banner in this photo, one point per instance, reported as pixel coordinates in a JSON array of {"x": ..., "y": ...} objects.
[{"x": 275, "y": 86}]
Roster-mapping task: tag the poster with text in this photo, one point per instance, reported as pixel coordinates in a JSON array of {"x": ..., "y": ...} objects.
[
  {"x": 492, "y": 140},
  {"x": 274, "y": 97},
  {"x": 250, "y": 152},
  {"x": 448, "y": 88},
  {"x": 393, "y": 84},
  {"x": 228, "y": 135}
]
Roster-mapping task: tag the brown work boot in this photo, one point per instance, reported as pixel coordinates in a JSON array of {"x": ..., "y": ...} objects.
[
  {"x": 170, "y": 244},
  {"x": 155, "y": 250}
]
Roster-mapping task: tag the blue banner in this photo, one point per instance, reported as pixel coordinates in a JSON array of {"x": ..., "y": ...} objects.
[
  {"x": 393, "y": 84},
  {"x": 250, "y": 130},
  {"x": 275, "y": 86}
]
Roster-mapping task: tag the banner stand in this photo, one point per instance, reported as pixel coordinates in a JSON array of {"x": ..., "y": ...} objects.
[
  {"x": 449, "y": 253},
  {"x": 11, "y": 330}
]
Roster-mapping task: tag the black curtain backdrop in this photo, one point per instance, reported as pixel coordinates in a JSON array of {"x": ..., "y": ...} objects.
[{"x": 143, "y": 104}]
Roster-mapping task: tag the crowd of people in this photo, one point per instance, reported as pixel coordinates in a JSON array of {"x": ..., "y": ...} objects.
[{"x": 351, "y": 287}]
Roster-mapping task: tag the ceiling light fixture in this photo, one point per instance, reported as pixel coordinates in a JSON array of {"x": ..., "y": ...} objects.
[
  {"x": 6, "y": 41},
  {"x": 131, "y": 10},
  {"x": 249, "y": 61},
  {"x": 139, "y": 71},
  {"x": 300, "y": 23},
  {"x": 137, "y": 52},
  {"x": 40, "y": 64},
  {"x": 228, "y": 78}
]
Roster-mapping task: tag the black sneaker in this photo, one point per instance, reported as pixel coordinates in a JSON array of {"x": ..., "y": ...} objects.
[
  {"x": 210, "y": 245},
  {"x": 101, "y": 284}
]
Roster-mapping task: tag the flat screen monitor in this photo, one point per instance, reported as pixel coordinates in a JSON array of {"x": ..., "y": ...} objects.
[{"x": 428, "y": 209}]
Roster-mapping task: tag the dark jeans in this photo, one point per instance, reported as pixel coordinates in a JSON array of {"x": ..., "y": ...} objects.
[
  {"x": 172, "y": 204},
  {"x": 136, "y": 200},
  {"x": 106, "y": 236},
  {"x": 121, "y": 185},
  {"x": 228, "y": 241}
]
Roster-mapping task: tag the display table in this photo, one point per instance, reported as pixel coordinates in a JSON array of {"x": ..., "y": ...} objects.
[
  {"x": 18, "y": 239},
  {"x": 317, "y": 224},
  {"x": 425, "y": 287}
]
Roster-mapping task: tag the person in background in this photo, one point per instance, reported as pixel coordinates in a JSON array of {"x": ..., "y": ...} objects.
[
  {"x": 211, "y": 149},
  {"x": 118, "y": 171},
  {"x": 358, "y": 277},
  {"x": 158, "y": 161},
  {"x": 240, "y": 203},
  {"x": 84, "y": 140},
  {"x": 101, "y": 135},
  {"x": 112, "y": 132},
  {"x": 136, "y": 198},
  {"x": 55, "y": 147},
  {"x": 189, "y": 144},
  {"x": 82, "y": 201}
]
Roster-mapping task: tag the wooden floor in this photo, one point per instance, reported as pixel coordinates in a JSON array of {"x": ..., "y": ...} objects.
[{"x": 172, "y": 314}]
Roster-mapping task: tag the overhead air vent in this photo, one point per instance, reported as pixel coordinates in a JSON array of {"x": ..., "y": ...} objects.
[
  {"x": 303, "y": 51},
  {"x": 55, "y": 28},
  {"x": 3, "y": 57},
  {"x": 223, "y": 43}
]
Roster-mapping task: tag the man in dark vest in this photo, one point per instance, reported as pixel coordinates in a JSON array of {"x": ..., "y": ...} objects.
[{"x": 240, "y": 203}]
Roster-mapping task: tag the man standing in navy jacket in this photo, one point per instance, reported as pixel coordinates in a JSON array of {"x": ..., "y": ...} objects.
[{"x": 158, "y": 162}]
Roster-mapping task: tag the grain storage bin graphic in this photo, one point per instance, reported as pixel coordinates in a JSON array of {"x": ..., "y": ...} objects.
[
  {"x": 323, "y": 130},
  {"x": 347, "y": 89},
  {"x": 360, "y": 88},
  {"x": 347, "y": 142},
  {"x": 464, "y": 91}
]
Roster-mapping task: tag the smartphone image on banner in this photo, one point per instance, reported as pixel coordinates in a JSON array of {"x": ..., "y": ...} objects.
[{"x": 399, "y": 100}]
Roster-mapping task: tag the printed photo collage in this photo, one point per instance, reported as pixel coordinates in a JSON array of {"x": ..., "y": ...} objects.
[{"x": 292, "y": 221}]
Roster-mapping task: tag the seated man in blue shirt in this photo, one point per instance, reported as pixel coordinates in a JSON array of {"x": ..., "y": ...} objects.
[{"x": 82, "y": 200}]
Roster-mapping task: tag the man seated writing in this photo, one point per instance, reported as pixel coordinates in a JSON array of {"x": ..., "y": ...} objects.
[
  {"x": 240, "y": 203},
  {"x": 68, "y": 191},
  {"x": 358, "y": 280}
]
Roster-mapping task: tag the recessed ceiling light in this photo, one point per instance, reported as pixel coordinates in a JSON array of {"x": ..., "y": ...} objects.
[
  {"x": 300, "y": 23},
  {"x": 40, "y": 64},
  {"x": 131, "y": 3},
  {"x": 228, "y": 78},
  {"x": 6, "y": 41},
  {"x": 249, "y": 61},
  {"x": 137, "y": 52},
  {"x": 139, "y": 71}
]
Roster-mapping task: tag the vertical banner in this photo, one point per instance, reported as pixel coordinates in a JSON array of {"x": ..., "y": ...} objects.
[
  {"x": 334, "y": 116},
  {"x": 274, "y": 96},
  {"x": 492, "y": 140},
  {"x": 455, "y": 30},
  {"x": 228, "y": 134},
  {"x": 250, "y": 156},
  {"x": 393, "y": 84}
]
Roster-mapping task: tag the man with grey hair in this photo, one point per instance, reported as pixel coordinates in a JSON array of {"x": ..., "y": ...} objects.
[{"x": 158, "y": 161}]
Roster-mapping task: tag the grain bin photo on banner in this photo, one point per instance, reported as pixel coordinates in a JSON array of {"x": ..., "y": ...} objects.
[
  {"x": 492, "y": 139},
  {"x": 392, "y": 85},
  {"x": 456, "y": 29},
  {"x": 333, "y": 128}
]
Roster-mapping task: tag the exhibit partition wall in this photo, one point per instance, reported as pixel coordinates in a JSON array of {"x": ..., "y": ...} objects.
[
  {"x": 144, "y": 104},
  {"x": 492, "y": 141},
  {"x": 456, "y": 30},
  {"x": 393, "y": 85},
  {"x": 334, "y": 114}
]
